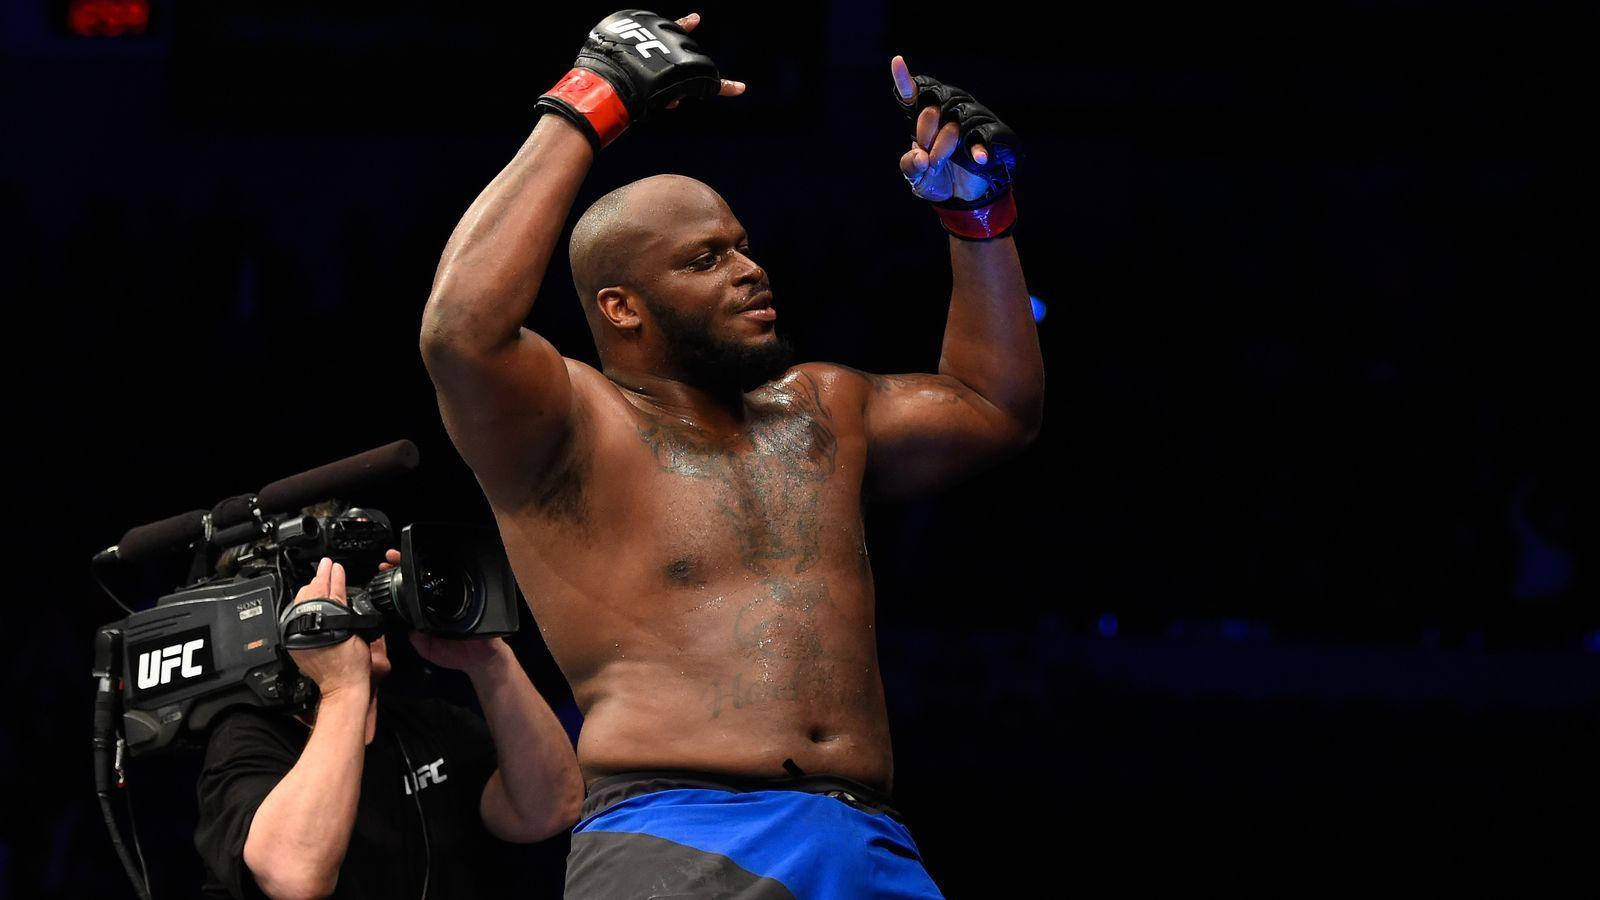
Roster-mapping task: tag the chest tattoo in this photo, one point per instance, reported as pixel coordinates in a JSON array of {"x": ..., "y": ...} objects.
[{"x": 765, "y": 483}]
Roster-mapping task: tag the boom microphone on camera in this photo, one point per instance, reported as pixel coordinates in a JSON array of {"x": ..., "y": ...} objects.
[
  {"x": 234, "y": 520},
  {"x": 344, "y": 476}
]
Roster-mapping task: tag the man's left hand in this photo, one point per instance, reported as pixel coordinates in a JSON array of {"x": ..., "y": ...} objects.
[
  {"x": 967, "y": 158},
  {"x": 927, "y": 166}
]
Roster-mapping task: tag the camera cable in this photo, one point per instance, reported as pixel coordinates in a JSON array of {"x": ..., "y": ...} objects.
[
  {"x": 416, "y": 796},
  {"x": 138, "y": 848},
  {"x": 94, "y": 572}
]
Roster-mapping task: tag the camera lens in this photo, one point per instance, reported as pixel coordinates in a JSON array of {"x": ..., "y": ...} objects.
[
  {"x": 446, "y": 592},
  {"x": 383, "y": 592}
]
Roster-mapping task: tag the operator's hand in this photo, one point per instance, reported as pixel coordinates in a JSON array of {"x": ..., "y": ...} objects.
[
  {"x": 964, "y": 167},
  {"x": 633, "y": 64},
  {"x": 344, "y": 665},
  {"x": 474, "y": 656}
]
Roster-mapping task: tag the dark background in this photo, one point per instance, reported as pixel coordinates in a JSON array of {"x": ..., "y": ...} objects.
[{"x": 1293, "y": 595}]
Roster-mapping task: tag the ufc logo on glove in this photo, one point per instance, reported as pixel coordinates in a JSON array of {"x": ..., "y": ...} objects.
[{"x": 630, "y": 30}]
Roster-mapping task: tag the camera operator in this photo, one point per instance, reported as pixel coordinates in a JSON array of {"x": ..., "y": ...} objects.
[{"x": 378, "y": 796}]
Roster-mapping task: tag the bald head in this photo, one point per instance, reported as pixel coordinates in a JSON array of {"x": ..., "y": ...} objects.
[
  {"x": 595, "y": 250},
  {"x": 608, "y": 238},
  {"x": 664, "y": 273}
]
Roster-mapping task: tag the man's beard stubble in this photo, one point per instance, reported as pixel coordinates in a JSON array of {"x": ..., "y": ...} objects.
[{"x": 717, "y": 366}]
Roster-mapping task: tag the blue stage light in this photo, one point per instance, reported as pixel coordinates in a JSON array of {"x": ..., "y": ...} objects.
[
  {"x": 1107, "y": 626},
  {"x": 1038, "y": 308},
  {"x": 1591, "y": 642}
]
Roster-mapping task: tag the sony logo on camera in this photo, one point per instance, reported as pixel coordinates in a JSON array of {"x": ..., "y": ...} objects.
[{"x": 172, "y": 661}]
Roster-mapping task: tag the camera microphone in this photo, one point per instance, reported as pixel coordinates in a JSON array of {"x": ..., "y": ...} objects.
[
  {"x": 155, "y": 538},
  {"x": 236, "y": 518},
  {"x": 339, "y": 477}
]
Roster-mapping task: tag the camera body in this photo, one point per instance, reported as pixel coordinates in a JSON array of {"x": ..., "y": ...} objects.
[
  {"x": 201, "y": 650},
  {"x": 220, "y": 642}
]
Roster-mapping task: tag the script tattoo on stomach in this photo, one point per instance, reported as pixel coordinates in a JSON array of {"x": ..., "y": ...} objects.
[{"x": 777, "y": 633}]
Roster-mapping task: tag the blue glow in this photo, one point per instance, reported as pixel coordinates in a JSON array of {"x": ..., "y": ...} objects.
[
  {"x": 1235, "y": 629},
  {"x": 1107, "y": 626},
  {"x": 1038, "y": 308},
  {"x": 1591, "y": 642}
]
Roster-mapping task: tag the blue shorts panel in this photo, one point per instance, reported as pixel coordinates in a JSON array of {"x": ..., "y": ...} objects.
[{"x": 815, "y": 845}]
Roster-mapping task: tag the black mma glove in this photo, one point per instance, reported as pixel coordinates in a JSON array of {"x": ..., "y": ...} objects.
[
  {"x": 633, "y": 64},
  {"x": 993, "y": 213}
]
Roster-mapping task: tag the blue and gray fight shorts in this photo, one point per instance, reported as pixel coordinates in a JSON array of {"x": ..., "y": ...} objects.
[{"x": 682, "y": 834}]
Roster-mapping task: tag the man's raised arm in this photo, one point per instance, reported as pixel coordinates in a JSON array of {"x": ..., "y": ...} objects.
[
  {"x": 503, "y": 390},
  {"x": 987, "y": 399}
]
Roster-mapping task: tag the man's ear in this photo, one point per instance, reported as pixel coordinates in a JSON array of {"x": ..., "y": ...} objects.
[{"x": 619, "y": 307}]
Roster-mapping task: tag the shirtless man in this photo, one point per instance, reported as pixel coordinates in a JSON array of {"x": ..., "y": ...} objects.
[{"x": 686, "y": 522}]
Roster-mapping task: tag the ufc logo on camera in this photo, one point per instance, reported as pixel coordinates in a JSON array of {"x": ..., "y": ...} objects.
[
  {"x": 171, "y": 661},
  {"x": 629, "y": 30}
]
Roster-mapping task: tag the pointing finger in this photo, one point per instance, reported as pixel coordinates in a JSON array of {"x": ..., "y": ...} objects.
[
  {"x": 690, "y": 21},
  {"x": 336, "y": 583},
  {"x": 903, "y": 84}
]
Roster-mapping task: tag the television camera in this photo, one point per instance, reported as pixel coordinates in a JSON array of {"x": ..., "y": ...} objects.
[{"x": 164, "y": 673}]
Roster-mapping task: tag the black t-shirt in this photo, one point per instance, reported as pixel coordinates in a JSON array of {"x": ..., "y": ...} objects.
[{"x": 451, "y": 758}]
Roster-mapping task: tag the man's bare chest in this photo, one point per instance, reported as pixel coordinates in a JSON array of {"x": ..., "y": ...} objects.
[{"x": 761, "y": 498}]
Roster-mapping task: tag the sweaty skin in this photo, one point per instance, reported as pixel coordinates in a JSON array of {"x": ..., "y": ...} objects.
[
  {"x": 704, "y": 585},
  {"x": 694, "y": 557}
]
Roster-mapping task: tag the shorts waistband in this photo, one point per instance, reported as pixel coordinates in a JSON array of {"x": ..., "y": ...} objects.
[{"x": 614, "y": 789}]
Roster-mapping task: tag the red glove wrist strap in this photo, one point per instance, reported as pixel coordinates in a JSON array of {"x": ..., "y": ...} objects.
[
  {"x": 982, "y": 223},
  {"x": 594, "y": 98}
]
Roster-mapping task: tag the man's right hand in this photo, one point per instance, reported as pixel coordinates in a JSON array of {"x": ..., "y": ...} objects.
[
  {"x": 341, "y": 666},
  {"x": 632, "y": 64}
]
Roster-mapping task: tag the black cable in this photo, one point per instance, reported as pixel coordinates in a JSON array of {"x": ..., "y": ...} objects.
[
  {"x": 141, "y": 885},
  {"x": 416, "y": 795},
  {"x": 108, "y": 746},
  {"x": 138, "y": 849},
  {"x": 94, "y": 572}
]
